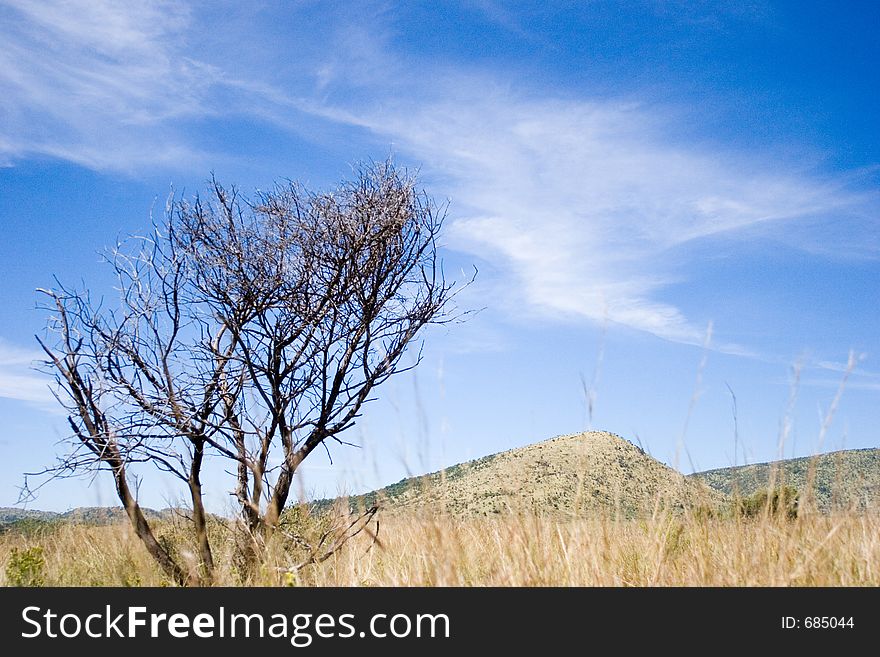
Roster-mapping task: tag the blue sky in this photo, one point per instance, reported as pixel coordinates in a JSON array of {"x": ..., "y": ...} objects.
[{"x": 670, "y": 204}]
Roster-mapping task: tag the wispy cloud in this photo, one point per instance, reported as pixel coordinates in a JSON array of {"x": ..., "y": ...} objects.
[
  {"x": 867, "y": 383},
  {"x": 872, "y": 386},
  {"x": 587, "y": 205},
  {"x": 98, "y": 82},
  {"x": 17, "y": 378},
  {"x": 812, "y": 373}
]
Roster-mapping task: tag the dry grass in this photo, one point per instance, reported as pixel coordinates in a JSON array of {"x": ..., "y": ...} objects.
[{"x": 666, "y": 550}]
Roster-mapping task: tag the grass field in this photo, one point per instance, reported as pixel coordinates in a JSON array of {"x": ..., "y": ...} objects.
[{"x": 664, "y": 550}]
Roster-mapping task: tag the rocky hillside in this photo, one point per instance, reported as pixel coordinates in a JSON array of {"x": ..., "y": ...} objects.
[{"x": 571, "y": 474}]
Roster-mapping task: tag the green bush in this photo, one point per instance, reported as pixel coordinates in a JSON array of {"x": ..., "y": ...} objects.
[
  {"x": 778, "y": 501},
  {"x": 25, "y": 567}
]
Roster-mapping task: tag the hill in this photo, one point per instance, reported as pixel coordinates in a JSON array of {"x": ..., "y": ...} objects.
[
  {"x": 844, "y": 479},
  {"x": 573, "y": 474},
  {"x": 86, "y": 515},
  {"x": 10, "y": 514}
]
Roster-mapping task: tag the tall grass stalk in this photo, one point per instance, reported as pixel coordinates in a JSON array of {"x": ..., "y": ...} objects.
[{"x": 515, "y": 550}]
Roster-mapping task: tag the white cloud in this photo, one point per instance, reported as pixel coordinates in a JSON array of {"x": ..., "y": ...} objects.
[
  {"x": 585, "y": 204},
  {"x": 17, "y": 378},
  {"x": 128, "y": 86},
  {"x": 98, "y": 82},
  {"x": 12, "y": 356},
  {"x": 862, "y": 384}
]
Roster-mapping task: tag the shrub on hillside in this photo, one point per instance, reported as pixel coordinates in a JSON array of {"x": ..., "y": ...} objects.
[
  {"x": 781, "y": 500},
  {"x": 26, "y": 567}
]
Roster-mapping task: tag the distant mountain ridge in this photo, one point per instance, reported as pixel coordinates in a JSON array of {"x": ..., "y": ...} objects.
[
  {"x": 847, "y": 479},
  {"x": 88, "y": 515}
]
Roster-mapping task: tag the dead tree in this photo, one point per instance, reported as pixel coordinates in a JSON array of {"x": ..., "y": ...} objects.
[{"x": 251, "y": 331}]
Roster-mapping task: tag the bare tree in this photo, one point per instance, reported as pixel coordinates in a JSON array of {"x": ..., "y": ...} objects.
[{"x": 253, "y": 332}]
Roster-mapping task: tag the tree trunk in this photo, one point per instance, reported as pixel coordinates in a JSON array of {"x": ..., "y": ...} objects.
[
  {"x": 282, "y": 490},
  {"x": 200, "y": 524},
  {"x": 143, "y": 530}
]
